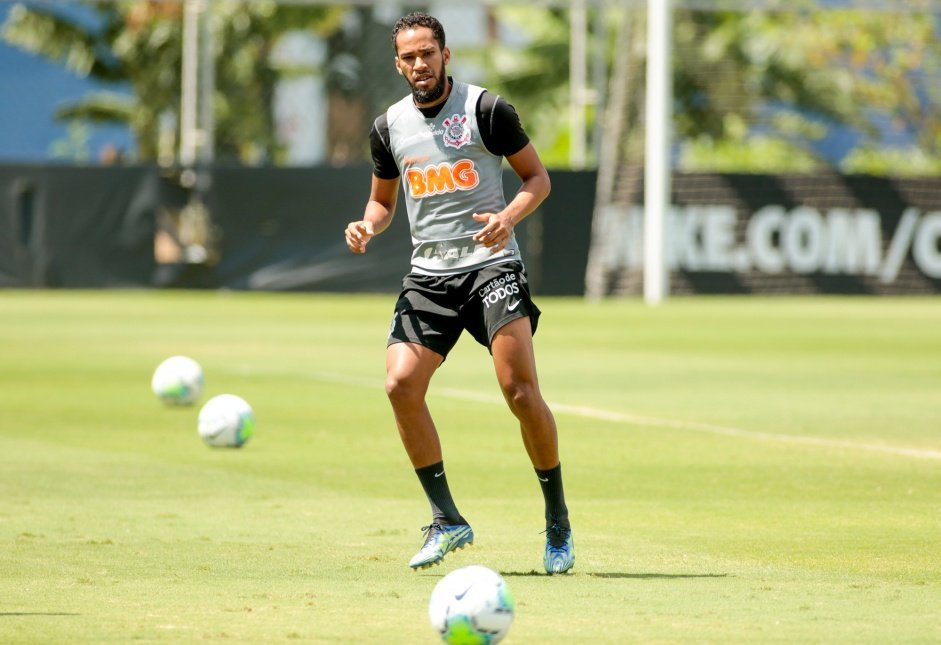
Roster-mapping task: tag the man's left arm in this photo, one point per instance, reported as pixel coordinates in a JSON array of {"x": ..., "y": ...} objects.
[{"x": 536, "y": 186}]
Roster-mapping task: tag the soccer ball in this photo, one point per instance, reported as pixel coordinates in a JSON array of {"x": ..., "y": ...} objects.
[
  {"x": 471, "y": 606},
  {"x": 178, "y": 381},
  {"x": 226, "y": 420}
]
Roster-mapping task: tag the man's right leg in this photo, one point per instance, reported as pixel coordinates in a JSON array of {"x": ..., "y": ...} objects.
[{"x": 409, "y": 368}]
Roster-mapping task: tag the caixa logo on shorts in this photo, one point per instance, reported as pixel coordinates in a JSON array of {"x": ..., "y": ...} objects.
[{"x": 500, "y": 289}]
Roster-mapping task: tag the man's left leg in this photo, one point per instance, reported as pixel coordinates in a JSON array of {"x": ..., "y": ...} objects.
[{"x": 515, "y": 364}]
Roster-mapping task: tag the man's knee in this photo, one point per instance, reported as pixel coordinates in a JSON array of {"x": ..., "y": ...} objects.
[
  {"x": 404, "y": 390},
  {"x": 522, "y": 396}
]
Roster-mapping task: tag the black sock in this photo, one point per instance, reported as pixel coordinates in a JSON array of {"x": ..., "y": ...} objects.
[
  {"x": 435, "y": 483},
  {"x": 551, "y": 483}
]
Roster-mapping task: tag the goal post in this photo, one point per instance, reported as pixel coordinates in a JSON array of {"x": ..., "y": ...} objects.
[{"x": 657, "y": 148}]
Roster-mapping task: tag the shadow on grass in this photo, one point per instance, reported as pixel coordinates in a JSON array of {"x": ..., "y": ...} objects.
[
  {"x": 628, "y": 576},
  {"x": 37, "y": 613},
  {"x": 657, "y": 576}
]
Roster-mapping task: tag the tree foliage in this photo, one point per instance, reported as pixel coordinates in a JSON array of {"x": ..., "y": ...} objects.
[
  {"x": 138, "y": 43},
  {"x": 533, "y": 74},
  {"x": 744, "y": 79},
  {"x": 753, "y": 89}
]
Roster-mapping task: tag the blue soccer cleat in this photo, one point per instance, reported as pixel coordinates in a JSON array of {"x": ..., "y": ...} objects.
[
  {"x": 441, "y": 539},
  {"x": 560, "y": 549}
]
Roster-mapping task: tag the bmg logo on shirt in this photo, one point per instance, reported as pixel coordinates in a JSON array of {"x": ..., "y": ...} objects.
[{"x": 438, "y": 179}]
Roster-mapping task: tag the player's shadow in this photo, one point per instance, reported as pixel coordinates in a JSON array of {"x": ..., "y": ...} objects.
[
  {"x": 657, "y": 576},
  {"x": 628, "y": 576},
  {"x": 37, "y": 613}
]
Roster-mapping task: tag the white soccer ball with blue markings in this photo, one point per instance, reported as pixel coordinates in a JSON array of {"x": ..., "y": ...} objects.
[
  {"x": 472, "y": 606},
  {"x": 178, "y": 381},
  {"x": 226, "y": 421}
]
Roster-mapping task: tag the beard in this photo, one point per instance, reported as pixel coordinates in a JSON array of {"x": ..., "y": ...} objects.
[{"x": 431, "y": 95}]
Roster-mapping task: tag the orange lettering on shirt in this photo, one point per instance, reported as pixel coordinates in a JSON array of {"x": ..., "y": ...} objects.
[
  {"x": 416, "y": 182},
  {"x": 442, "y": 178}
]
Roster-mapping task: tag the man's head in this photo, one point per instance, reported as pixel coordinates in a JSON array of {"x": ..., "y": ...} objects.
[
  {"x": 421, "y": 56},
  {"x": 418, "y": 19}
]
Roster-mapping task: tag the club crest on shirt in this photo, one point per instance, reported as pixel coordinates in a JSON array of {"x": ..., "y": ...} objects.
[{"x": 456, "y": 131}]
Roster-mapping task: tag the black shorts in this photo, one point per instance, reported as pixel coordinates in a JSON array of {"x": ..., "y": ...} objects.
[{"x": 433, "y": 310}]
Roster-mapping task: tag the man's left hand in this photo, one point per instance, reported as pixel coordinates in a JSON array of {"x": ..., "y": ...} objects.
[{"x": 497, "y": 232}]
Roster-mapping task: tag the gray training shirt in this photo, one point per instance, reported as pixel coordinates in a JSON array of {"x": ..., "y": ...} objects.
[{"x": 448, "y": 174}]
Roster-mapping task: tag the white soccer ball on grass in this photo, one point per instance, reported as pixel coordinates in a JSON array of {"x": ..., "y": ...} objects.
[
  {"x": 178, "y": 381},
  {"x": 472, "y": 605},
  {"x": 226, "y": 421}
]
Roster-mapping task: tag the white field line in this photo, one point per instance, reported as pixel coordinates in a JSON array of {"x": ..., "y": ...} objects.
[{"x": 659, "y": 422}]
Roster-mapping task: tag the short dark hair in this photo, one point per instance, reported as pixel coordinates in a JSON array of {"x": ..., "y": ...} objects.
[{"x": 418, "y": 19}]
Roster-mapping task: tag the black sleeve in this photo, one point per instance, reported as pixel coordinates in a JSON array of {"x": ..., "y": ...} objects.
[
  {"x": 383, "y": 162},
  {"x": 500, "y": 127}
]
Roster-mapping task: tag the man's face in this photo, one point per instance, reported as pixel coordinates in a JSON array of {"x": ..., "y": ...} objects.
[{"x": 422, "y": 62}]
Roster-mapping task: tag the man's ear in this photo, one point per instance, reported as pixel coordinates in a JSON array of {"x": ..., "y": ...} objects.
[
  {"x": 399, "y": 69},
  {"x": 446, "y": 55}
]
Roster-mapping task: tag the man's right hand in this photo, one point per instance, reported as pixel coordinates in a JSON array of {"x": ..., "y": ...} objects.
[{"x": 358, "y": 235}]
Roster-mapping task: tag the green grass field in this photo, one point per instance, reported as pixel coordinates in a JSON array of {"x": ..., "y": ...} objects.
[{"x": 737, "y": 470}]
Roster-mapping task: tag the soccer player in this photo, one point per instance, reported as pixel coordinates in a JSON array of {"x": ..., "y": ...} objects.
[{"x": 448, "y": 140}]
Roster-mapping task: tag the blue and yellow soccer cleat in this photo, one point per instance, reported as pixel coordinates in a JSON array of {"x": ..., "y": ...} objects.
[
  {"x": 440, "y": 540},
  {"x": 560, "y": 549}
]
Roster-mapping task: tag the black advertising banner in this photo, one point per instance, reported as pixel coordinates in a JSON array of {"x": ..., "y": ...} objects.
[
  {"x": 281, "y": 229},
  {"x": 787, "y": 234},
  {"x": 77, "y": 227}
]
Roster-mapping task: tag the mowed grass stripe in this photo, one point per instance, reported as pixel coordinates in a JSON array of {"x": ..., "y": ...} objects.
[
  {"x": 628, "y": 418},
  {"x": 117, "y": 524}
]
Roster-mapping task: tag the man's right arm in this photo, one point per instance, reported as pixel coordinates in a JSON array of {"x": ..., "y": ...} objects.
[
  {"x": 382, "y": 196},
  {"x": 378, "y": 214}
]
